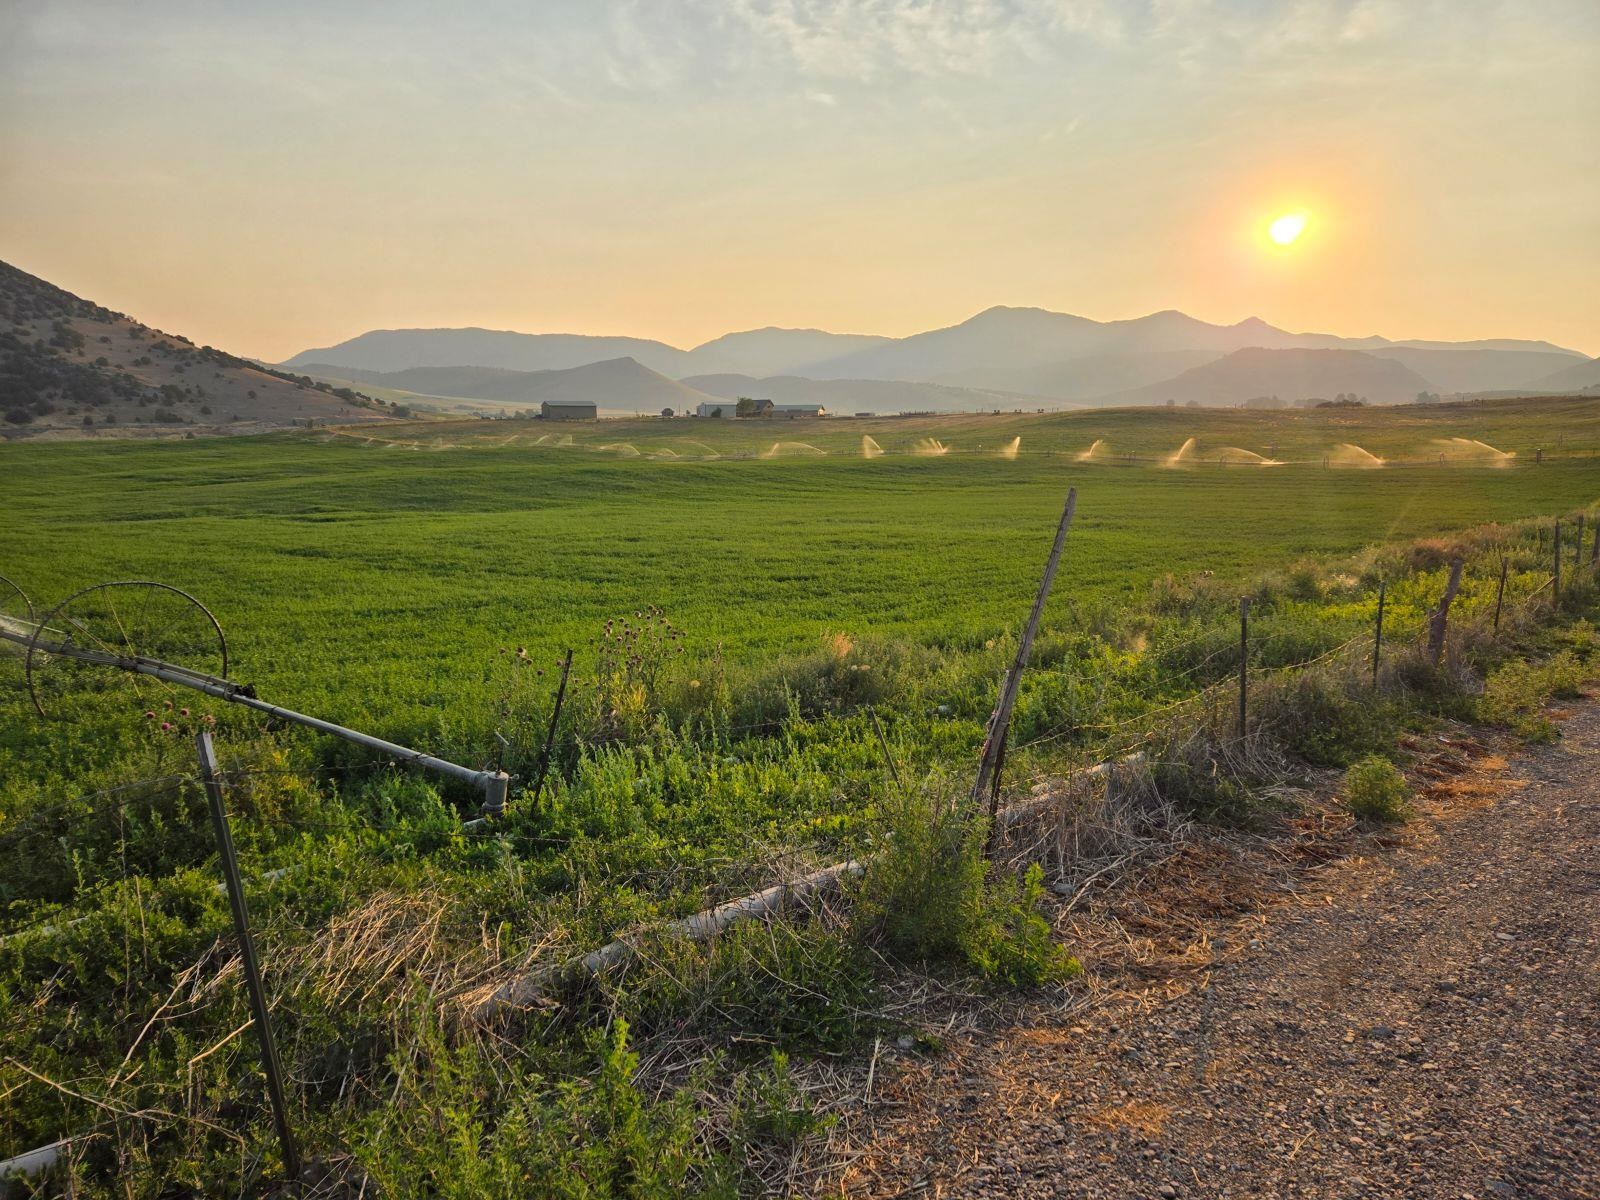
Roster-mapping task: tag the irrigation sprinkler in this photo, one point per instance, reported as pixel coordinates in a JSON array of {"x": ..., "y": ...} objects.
[{"x": 119, "y": 625}]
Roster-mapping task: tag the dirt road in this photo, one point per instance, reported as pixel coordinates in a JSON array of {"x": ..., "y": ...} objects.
[{"x": 1419, "y": 1021}]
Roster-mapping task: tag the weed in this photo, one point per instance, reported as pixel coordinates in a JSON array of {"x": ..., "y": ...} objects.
[{"x": 1375, "y": 790}]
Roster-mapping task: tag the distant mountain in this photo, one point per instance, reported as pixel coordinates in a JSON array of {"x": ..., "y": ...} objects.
[
  {"x": 618, "y": 383},
  {"x": 1027, "y": 350},
  {"x": 71, "y": 368},
  {"x": 1082, "y": 378},
  {"x": 402, "y": 349},
  {"x": 845, "y": 396},
  {"x": 1574, "y": 378},
  {"x": 767, "y": 352},
  {"x": 1290, "y": 375},
  {"x": 1475, "y": 368}
]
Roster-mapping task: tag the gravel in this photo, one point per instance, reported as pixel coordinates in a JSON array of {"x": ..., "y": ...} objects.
[{"x": 1419, "y": 1020}]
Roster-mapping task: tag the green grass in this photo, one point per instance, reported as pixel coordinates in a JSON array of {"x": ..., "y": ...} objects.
[
  {"x": 386, "y": 588},
  {"x": 377, "y": 586}
]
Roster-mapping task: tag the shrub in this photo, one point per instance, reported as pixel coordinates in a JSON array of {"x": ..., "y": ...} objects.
[
  {"x": 1514, "y": 694},
  {"x": 928, "y": 895},
  {"x": 1375, "y": 790}
]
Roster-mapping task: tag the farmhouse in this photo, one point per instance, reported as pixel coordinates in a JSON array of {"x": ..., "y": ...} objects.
[
  {"x": 792, "y": 411},
  {"x": 568, "y": 410}
]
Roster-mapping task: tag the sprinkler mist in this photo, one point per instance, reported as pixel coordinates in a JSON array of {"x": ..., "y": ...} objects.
[
  {"x": 1099, "y": 448},
  {"x": 1237, "y": 455},
  {"x": 782, "y": 449},
  {"x": 1183, "y": 456},
  {"x": 1350, "y": 457},
  {"x": 1011, "y": 448},
  {"x": 870, "y": 448},
  {"x": 1475, "y": 453},
  {"x": 930, "y": 447},
  {"x": 622, "y": 449}
]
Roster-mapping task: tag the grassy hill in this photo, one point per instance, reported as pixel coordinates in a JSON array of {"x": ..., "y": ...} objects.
[{"x": 70, "y": 368}]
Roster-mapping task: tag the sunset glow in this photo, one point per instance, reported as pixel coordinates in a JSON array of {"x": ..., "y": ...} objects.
[{"x": 1286, "y": 230}]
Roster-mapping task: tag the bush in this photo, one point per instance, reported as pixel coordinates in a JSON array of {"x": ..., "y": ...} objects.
[
  {"x": 1514, "y": 694},
  {"x": 928, "y": 895},
  {"x": 1375, "y": 790}
]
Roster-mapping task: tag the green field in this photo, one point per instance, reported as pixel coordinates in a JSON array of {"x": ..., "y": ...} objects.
[
  {"x": 377, "y": 585},
  {"x": 390, "y": 588}
]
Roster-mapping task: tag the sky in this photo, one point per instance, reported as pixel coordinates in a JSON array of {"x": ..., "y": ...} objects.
[{"x": 268, "y": 178}]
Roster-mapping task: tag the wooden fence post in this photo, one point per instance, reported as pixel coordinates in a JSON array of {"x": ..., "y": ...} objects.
[
  {"x": 1439, "y": 618},
  {"x": 1377, "y": 635},
  {"x": 1244, "y": 661},
  {"x": 1500, "y": 593},
  {"x": 262, "y": 1020},
  {"x": 993, "y": 743},
  {"x": 1577, "y": 549},
  {"x": 1594, "y": 554}
]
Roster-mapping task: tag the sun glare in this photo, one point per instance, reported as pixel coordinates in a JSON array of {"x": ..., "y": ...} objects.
[{"x": 1286, "y": 230}]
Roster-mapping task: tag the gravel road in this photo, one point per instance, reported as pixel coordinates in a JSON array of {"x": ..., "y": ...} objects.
[{"x": 1421, "y": 1020}]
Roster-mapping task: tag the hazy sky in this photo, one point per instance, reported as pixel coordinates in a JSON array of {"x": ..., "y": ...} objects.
[{"x": 271, "y": 177}]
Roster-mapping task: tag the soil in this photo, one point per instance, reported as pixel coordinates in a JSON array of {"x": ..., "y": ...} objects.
[{"x": 1343, "y": 1013}]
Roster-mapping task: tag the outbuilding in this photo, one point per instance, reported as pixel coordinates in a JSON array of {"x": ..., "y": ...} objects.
[{"x": 568, "y": 410}]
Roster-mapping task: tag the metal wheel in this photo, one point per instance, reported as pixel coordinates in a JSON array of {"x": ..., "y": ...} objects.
[
  {"x": 90, "y": 639},
  {"x": 14, "y": 601}
]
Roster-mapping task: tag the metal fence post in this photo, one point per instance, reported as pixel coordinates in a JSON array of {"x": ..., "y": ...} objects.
[
  {"x": 1377, "y": 635},
  {"x": 1555, "y": 590},
  {"x": 883, "y": 744},
  {"x": 1244, "y": 661},
  {"x": 247, "y": 952},
  {"x": 1500, "y": 592},
  {"x": 550, "y": 733}
]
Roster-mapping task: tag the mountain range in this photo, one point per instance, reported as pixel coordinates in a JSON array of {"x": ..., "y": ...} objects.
[{"x": 1002, "y": 357}]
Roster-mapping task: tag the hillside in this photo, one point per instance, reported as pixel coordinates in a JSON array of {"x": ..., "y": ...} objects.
[
  {"x": 1577, "y": 377},
  {"x": 1082, "y": 378},
  {"x": 390, "y": 350},
  {"x": 771, "y": 351},
  {"x": 845, "y": 396},
  {"x": 70, "y": 368},
  {"x": 618, "y": 383},
  {"x": 1291, "y": 375},
  {"x": 1024, "y": 350}
]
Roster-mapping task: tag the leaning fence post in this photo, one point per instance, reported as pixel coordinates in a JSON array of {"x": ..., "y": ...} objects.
[
  {"x": 1555, "y": 590},
  {"x": 1244, "y": 661},
  {"x": 1377, "y": 636},
  {"x": 883, "y": 744},
  {"x": 1001, "y": 717},
  {"x": 1500, "y": 592},
  {"x": 210, "y": 776},
  {"x": 550, "y": 732},
  {"x": 1440, "y": 616}
]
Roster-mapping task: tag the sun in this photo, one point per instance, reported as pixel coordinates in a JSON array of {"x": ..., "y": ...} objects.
[{"x": 1286, "y": 230}]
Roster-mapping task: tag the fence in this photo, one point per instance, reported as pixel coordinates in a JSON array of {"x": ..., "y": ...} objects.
[{"x": 68, "y": 633}]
